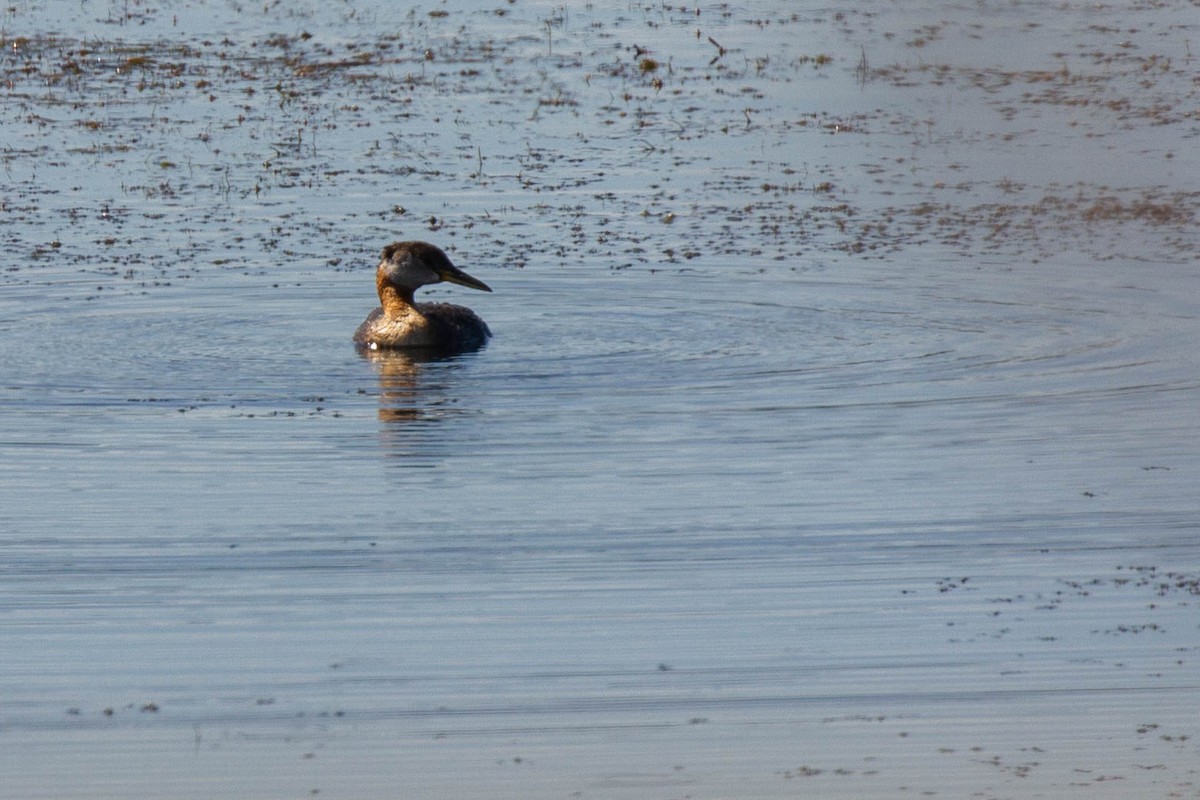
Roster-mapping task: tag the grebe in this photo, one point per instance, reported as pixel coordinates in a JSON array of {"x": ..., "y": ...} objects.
[{"x": 399, "y": 322}]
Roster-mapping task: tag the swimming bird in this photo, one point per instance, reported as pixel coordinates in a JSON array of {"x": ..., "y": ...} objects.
[{"x": 399, "y": 322}]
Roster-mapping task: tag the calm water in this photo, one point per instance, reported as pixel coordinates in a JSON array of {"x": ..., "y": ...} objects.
[{"x": 838, "y": 437}]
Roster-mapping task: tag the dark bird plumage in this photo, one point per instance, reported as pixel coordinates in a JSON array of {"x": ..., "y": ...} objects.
[{"x": 400, "y": 322}]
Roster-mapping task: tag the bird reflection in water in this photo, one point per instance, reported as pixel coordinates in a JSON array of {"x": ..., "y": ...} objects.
[{"x": 406, "y": 393}]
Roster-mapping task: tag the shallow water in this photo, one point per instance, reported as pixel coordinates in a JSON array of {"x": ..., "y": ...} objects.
[{"x": 838, "y": 436}]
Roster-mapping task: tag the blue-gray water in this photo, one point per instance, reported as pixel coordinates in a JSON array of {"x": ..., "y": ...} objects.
[{"x": 838, "y": 436}]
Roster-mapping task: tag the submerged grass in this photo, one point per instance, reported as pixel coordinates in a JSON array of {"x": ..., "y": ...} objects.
[{"x": 721, "y": 126}]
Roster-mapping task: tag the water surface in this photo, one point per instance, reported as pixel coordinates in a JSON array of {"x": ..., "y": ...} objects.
[{"x": 838, "y": 436}]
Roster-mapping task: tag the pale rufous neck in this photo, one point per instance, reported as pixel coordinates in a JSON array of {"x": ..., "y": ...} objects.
[{"x": 396, "y": 300}]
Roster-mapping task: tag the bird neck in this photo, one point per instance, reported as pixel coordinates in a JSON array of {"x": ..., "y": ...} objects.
[{"x": 396, "y": 300}]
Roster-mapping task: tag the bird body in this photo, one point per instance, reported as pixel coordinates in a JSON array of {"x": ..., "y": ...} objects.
[{"x": 400, "y": 322}]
